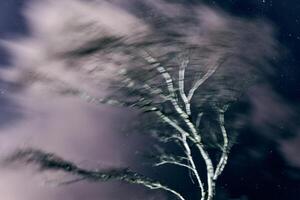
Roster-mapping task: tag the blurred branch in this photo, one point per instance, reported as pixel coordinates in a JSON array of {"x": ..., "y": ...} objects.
[
  {"x": 49, "y": 161},
  {"x": 198, "y": 120}
]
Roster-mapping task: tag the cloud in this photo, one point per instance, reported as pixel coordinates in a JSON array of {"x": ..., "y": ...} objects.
[
  {"x": 290, "y": 149},
  {"x": 275, "y": 118},
  {"x": 269, "y": 109},
  {"x": 83, "y": 133},
  {"x": 90, "y": 43},
  {"x": 40, "y": 57}
]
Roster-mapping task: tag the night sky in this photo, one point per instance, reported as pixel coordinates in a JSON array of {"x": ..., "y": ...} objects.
[
  {"x": 269, "y": 175},
  {"x": 264, "y": 163}
]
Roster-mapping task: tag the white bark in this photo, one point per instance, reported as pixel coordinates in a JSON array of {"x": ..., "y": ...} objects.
[
  {"x": 225, "y": 150},
  {"x": 194, "y": 134}
]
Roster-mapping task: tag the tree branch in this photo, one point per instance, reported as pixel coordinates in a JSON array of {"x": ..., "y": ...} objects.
[
  {"x": 156, "y": 64},
  {"x": 130, "y": 83},
  {"x": 198, "y": 120},
  {"x": 174, "y": 163},
  {"x": 198, "y": 83},
  {"x": 181, "y": 84},
  {"x": 195, "y": 137},
  {"x": 49, "y": 161},
  {"x": 225, "y": 148},
  {"x": 187, "y": 149}
]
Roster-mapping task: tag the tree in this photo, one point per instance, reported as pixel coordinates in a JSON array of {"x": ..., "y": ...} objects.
[
  {"x": 174, "y": 80},
  {"x": 177, "y": 113},
  {"x": 169, "y": 105}
]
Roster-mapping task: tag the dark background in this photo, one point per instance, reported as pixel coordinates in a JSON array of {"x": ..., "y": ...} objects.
[
  {"x": 268, "y": 175},
  {"x": 258, "y": 169}
]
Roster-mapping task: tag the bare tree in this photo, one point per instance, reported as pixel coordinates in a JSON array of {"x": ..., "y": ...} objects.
[
  {"x": 155, "y": 98},
  {"x": 173, "y": 80},
  {"x": 153, "y": 91}
]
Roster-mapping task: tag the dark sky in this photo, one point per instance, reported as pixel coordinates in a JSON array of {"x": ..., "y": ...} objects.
[
  {"x": 263, "y": 172},
  {"x": 268, "y": 175},
  {"x": 11, "y": 23},
  {"x": 285, "y": 15}
]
